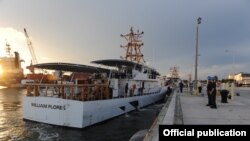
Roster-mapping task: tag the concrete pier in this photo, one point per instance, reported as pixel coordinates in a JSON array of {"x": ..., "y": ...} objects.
[{"x": 186, "y": 109}]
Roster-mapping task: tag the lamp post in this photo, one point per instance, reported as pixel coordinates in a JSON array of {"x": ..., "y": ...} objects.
[
  {"x": 233, "y": 56},
  {"x": 196, "y": 52},
  {"x": 233, "y": 74}
]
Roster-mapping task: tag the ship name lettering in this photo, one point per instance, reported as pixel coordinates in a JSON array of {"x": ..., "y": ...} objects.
[{"x": 49, "y": 106}]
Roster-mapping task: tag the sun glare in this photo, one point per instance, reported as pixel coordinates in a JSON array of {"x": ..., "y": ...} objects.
[
  {"x": 1, "y": 70},
  {"x": 17, "y": 41}
]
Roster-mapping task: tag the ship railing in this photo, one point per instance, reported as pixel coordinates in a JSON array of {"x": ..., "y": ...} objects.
[{"x": 80, "y": 92}]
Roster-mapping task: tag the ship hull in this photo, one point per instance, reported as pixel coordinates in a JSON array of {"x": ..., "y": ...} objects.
[{"x": 79, "y": 114}]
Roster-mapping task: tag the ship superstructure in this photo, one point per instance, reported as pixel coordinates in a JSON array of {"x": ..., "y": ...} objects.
[{"x": 174, "y": 73}]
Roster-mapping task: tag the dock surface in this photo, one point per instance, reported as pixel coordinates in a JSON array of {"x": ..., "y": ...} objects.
[
  {"x": 195, "y": 111},
  {"x": 187, "y": 109}
]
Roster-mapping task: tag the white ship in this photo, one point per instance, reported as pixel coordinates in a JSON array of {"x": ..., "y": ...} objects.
[{"x": 101, "y": 95}]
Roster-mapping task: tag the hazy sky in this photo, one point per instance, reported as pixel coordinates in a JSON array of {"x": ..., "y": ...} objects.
[{"x": 80, "y": 31}]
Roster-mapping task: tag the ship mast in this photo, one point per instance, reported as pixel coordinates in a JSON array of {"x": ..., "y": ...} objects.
[
  {"x": 174, "y": 73},
  {"x": 133, "y": 47},
  {"x": 8, "y": 49}
]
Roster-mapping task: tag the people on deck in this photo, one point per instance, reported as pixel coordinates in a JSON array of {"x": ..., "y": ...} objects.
[{"x": 126, "y": 89}]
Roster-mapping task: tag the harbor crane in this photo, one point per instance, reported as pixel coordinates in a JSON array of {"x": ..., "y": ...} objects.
[{"x": 32, "y": 52}]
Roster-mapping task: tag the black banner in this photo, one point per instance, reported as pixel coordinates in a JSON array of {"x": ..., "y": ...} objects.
[{"x": 199, "y": 132}]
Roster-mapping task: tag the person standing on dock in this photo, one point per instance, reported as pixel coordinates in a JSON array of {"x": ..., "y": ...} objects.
[
  {"x": 209, "y": 89},
  {"x": 181, "y": 86},
  {"x": 200, "y": 87},
  {"x": 213, "y": 95}
]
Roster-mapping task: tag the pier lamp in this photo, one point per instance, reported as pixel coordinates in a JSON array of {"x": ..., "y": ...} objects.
[
  {"x": 233, "y": 73},
  {"x": 196, "y": 53},
  {"x": 233, "y": 56}
]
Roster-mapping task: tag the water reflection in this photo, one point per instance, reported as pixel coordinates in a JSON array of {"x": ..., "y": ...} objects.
[
  {"x": 10, "y": 113},
  {"x": 2, "y": 87}
]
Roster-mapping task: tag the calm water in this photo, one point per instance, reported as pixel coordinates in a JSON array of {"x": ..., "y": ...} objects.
[{"x": 12, "y": 126}]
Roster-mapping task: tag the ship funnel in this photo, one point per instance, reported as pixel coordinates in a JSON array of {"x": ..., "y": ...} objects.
[{"x": 17, "y": 60}]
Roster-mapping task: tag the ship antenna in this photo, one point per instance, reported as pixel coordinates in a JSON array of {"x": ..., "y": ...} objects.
[
  {"x": 133, "y": 47},
  {"x": 8, "y": 49}
]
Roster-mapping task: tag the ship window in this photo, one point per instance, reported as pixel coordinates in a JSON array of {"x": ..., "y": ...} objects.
[{"x": 245, "y": 75}]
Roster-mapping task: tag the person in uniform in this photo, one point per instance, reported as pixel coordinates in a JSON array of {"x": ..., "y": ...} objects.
[
  {"x": 181, "y": 86},
  {"x": 126, "y": 89},
  {"x": 213, "y": 95},
  {"x": 209, "y": 89}
]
